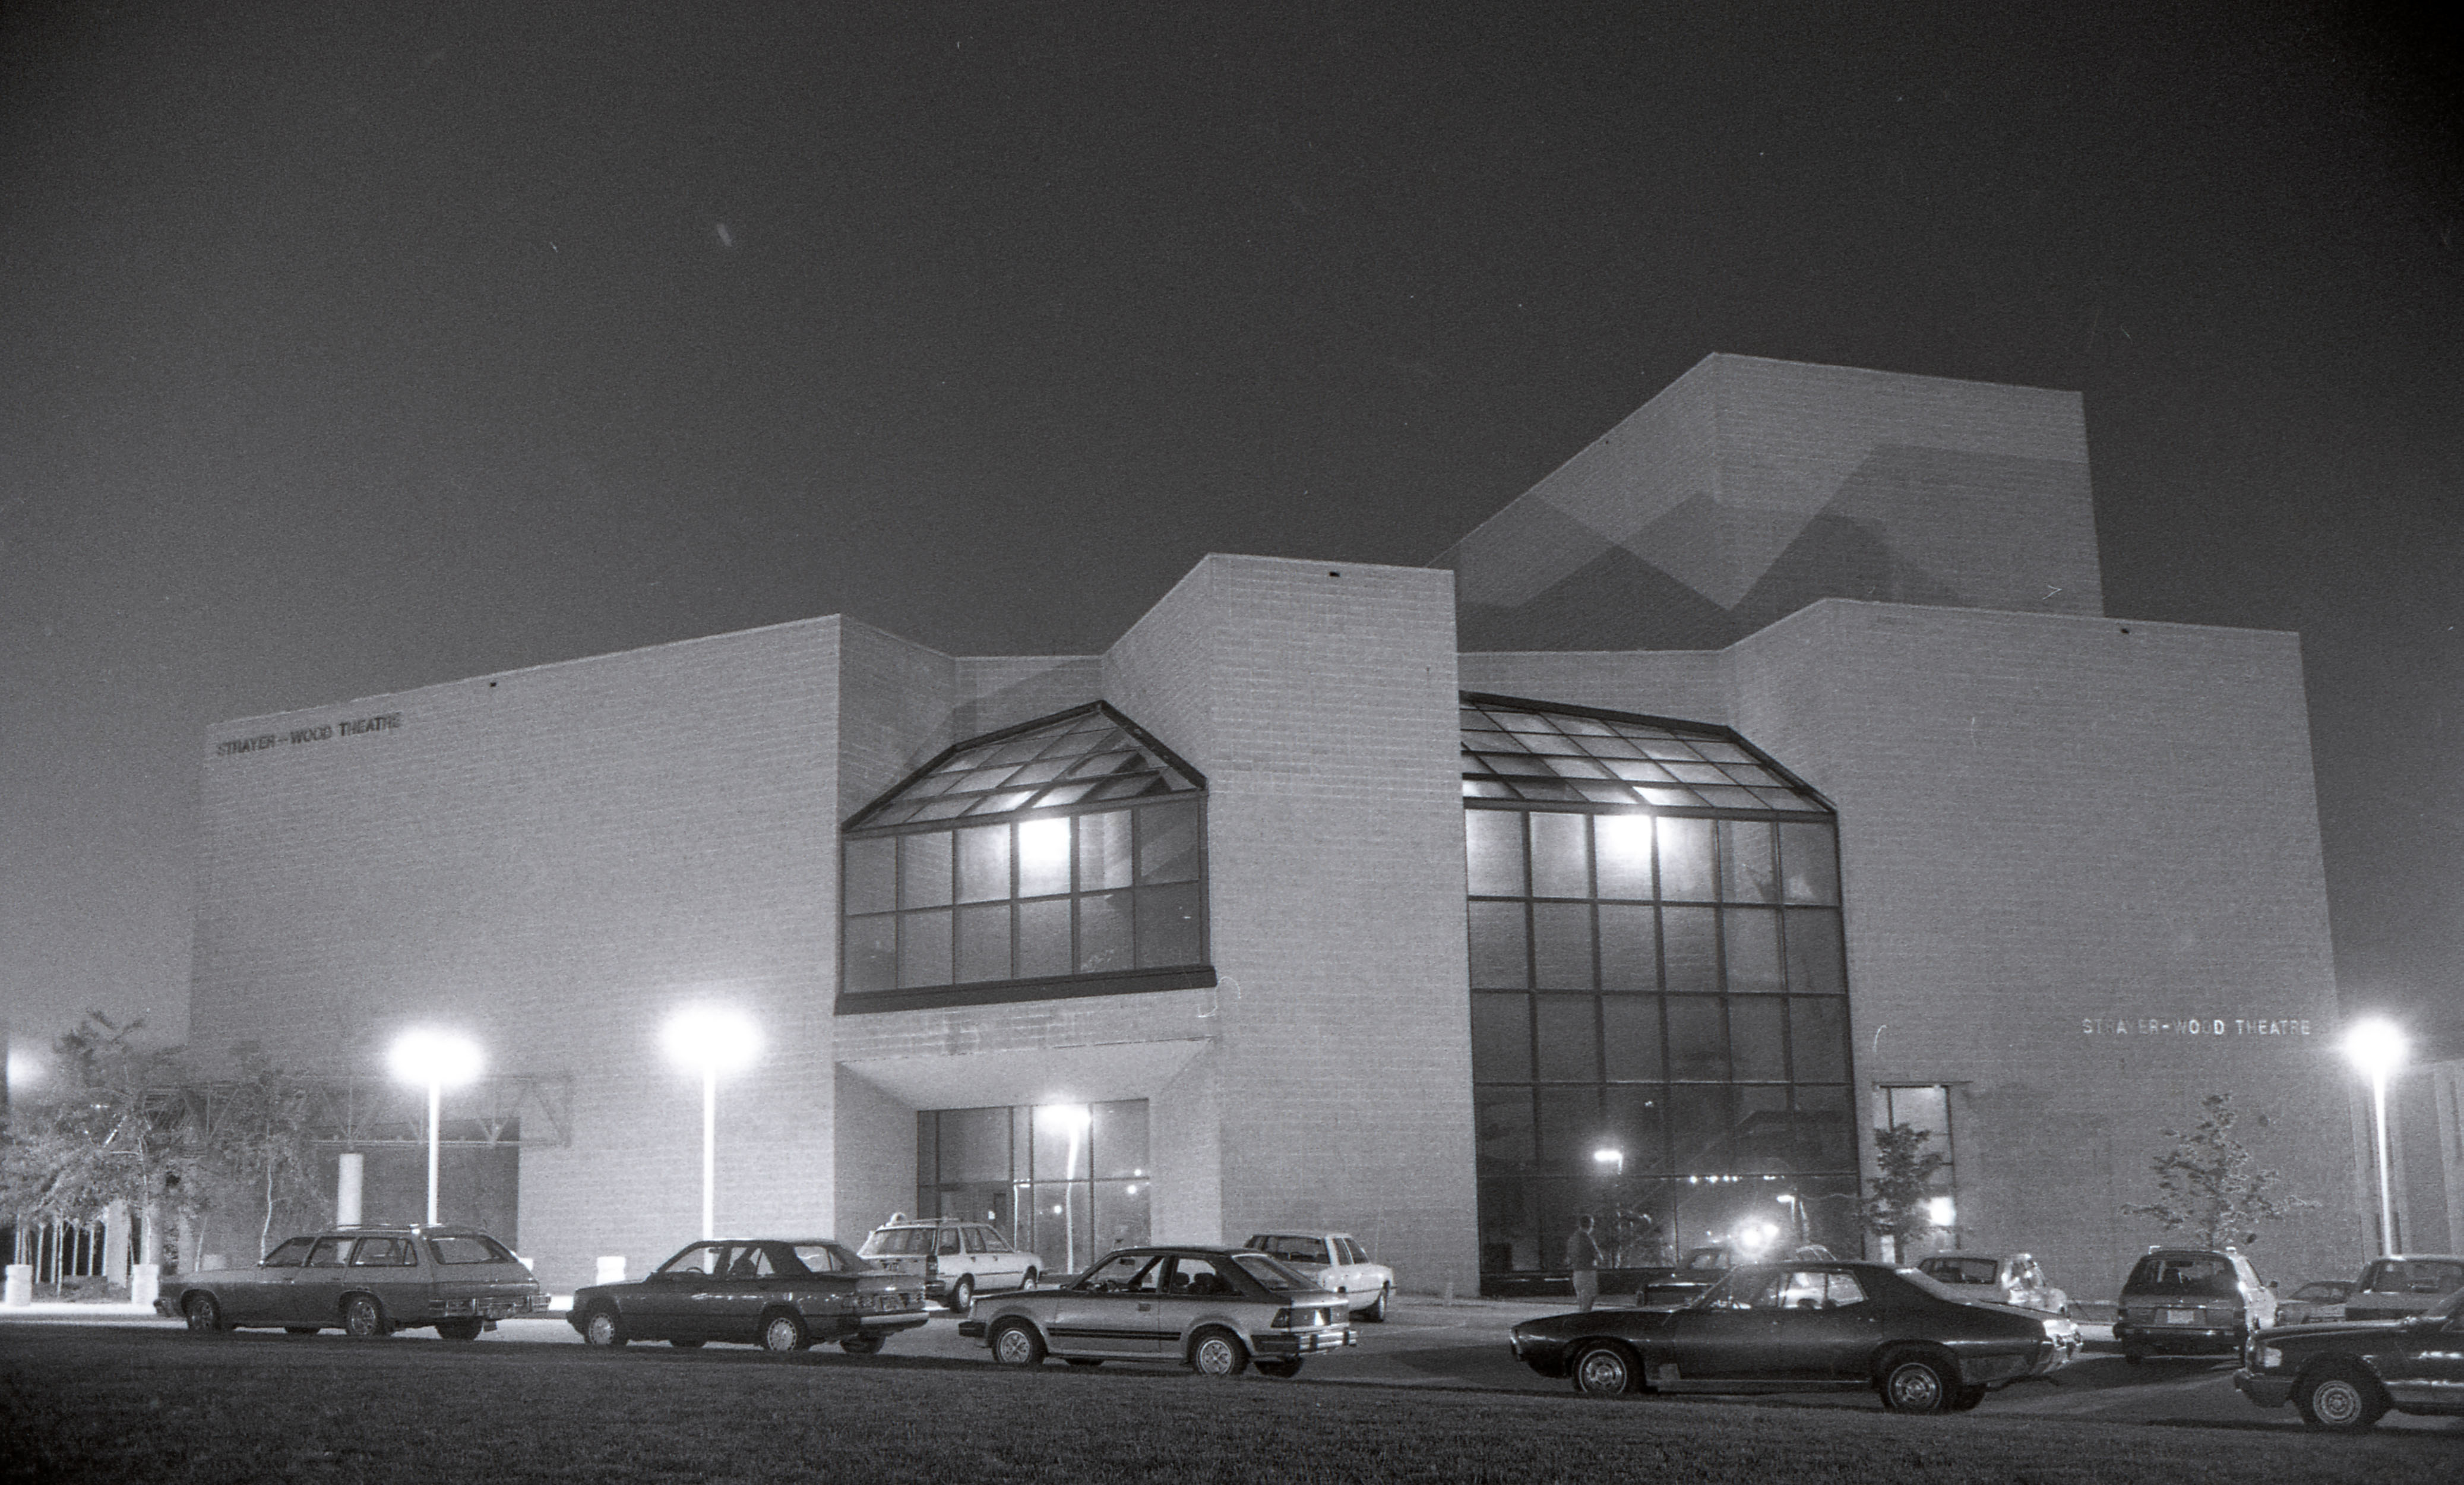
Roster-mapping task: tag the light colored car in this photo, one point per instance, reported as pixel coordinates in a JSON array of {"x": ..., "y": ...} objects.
[
  {"x": 956, "y": 1260},
  {"x": 2006, "y": 1278},
  {"x": 1213, "y": 1309},
  {"x": 2188, "y": 1301},
  {"x": 2316, "y": 1303},
  {"x": 365, "y": 1280},
  {"x": 2403, "y": 1285},
  {"x": 1337, "y": 1262}
]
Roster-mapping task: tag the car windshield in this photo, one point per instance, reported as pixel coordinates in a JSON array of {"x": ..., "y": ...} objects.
[
  {"x": 827, "y": 1259},
  {"x": 1959, "y": 1294},
  {"x": 2198, "y": 1275},
  {"x": 898, "y": 1241},
  {"x": 2414, "y": 1277},
  {"x": 2328, "y": 1289},
  {"x": 1274, "y": 1276},
  {"x": 1959, "y": 1270}
]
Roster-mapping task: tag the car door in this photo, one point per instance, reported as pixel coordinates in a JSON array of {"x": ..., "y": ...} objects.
[
  {"x": 1727, "y": 1335},
  {"x": 1111, "y": 1311},
  {"x": 1197, "y": 1289},
  {"x": 753, "y": 1280},
  {"x": 261, "y": 1296},
  {"x": 1001, "y": 1266},
  {"x": 316, "y": 1293},
  {"x": 828, "y": 1289},
  {"x": 671, "y": 1300},
  {"x": 1828, "y": 1327}
]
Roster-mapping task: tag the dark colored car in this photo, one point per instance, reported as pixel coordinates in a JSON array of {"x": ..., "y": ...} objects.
[
  {"x": 1213, "y": 1309},
  {"x": 1807, "y": 1325},
  {"x": 2404, "y": 1286},
  {"x": 366, "y": 1281},
  {"x": 2344, "y": 1376},
  {"x": 2189, "y": 1301},
  {"x": 777, "y": 1294}
]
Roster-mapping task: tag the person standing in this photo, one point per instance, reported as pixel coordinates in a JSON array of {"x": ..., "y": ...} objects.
[{"x": 1583, "y": 1256}]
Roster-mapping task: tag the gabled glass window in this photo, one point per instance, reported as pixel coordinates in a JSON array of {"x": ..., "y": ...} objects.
[
  {"x": 1659, "y": 990},
  {"x": 1064, "y": 856}
]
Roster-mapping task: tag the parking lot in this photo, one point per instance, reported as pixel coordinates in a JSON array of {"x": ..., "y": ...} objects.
[{"x": 1432, "y": 1343}]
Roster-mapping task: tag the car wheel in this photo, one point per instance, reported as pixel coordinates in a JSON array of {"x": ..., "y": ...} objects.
[
  {"x": 1376, "y": 1310},
  {"x": 300, "y": 1330},
  {"x": 603, "y": 1328},
  {"x": 1603, "y": 1368},
  {"x": 1014, "y": 1344},
  {"x": 1217, "y": 1352},
  {"x": 459, "y": 1330},
  {"x": 1281, "y": 1366},
  {"x": 1966, "y": 1399},
  {"x": 783, "y": 1330},
  {"x": 204, "y": 1316},
  {"x": 962, "y": 1293},
  {"x": 2340, "y": 1399},
  {"x": 860, "y": 1345},
  {"x": 363, "y": 1318},
  {"x": 1916, "y": 1384}
]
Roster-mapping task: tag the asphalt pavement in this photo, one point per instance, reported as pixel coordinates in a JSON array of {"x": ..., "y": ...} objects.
[{"x": 1431, "y": 1342}]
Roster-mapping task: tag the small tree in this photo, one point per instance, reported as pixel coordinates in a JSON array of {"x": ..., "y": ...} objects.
[
  {"x": 2210, "y": 1185},
  {"x": 1902, "y": 1183},
  {"x": 262, "y": 1138},
  {"x": 108, "y": 1137}
]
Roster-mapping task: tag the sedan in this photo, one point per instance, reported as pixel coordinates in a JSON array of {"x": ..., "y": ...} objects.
[
  {"x": 1213, "y": 1309},
  {"x": 777, "y": 1294},
  {"x": 1807, "y": 1325},
  {"x": 1334, "y": 1261},
  {"x": 2344, "y": 1376},
  {"x": 365, "y": 1281}
]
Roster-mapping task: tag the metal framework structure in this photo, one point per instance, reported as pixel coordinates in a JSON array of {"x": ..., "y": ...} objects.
[{"x": 365, "y": 1112}]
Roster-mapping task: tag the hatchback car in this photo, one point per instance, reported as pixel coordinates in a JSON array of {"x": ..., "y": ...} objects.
[
  {"x": 2403, "y": 1285},
  {"x": 365, "y": 1281},
  {"x": 2189, "y": 1301},
  {"x": 779, "y": 1295},
  {"x": 956, "y": 1260},
  {"x": 1336, "y": 1262},
  {"x": 1213, "y": 1309},
  {"x": 2008, "y": 1278}
]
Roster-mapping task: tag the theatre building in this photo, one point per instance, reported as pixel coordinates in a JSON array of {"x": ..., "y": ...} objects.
[{"x": 1770, "y": 772}]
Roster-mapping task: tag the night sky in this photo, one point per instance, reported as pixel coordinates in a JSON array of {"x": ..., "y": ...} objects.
[{"x": 349, "y": 348}]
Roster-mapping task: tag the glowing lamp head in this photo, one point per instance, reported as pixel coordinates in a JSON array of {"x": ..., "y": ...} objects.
[
  {"x": 1940, "y": 1212},
  {"x": 1608, "y": 1158},
  {"x": 440, "y": 1058},
  {"x": 710, "y": 1039},
  {"x": 2375, "y": 1045},
  {"x": 1071, "y": 1117},
  {"x": 1754, "y": 1238}
]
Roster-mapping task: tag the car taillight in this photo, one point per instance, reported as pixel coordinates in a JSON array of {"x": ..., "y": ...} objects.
[{"x": 932, "y": 1265}]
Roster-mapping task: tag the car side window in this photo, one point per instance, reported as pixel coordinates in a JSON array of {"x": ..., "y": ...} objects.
[
  {"x": 1745, "y": 1289},
  {"x": 1127, "y": 1274},
  {"x": 330, "y": 1253},
  {"x": 1198, "y": 1277},
  {"x": 994, "y": 1242},
  {"x": 700, "y": 1258},
  {"x": 382, "y": 1252},
  {"x": 290, "y": 1256},
  {"x": 751, "y": 1261},
  {"x": 949, "y": 1240},
  {"x": 1349, "y": 1251},
  {"x": 975, "y": 1237},
  {"x": 820, "y": 1258},
  {"x": 1840, "y": 1290}
]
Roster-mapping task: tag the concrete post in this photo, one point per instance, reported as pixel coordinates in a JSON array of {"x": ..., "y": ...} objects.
[
  {"x": 347, "y": 1177},
  {"x": 115, "y": 1243},
  {"x": 20, "y": 1286}
]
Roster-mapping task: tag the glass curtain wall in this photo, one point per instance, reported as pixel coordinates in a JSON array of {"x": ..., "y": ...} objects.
[
  {"x": 1660, "y": 1014},
  {"x": 1067, "y": 1182}
]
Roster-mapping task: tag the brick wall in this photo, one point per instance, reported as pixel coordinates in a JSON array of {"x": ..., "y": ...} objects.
[
  {"x": 1319, "y": 698},
  {"x": 553, "y": 860}
]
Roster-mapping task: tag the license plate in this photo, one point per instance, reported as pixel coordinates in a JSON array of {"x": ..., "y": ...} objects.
[{"x": 2181, "y": 1318}]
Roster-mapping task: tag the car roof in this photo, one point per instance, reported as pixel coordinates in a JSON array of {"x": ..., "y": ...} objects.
[
  {"x": 1967, "y": 1252},
  {"x": 789, "y": 1241},
  {"x": 400, "y": 1230},
  {"x": 2419, "y": 1258},
  {"x": 934, "y": 1222},
  {"x": 1298, "y": 1232}
]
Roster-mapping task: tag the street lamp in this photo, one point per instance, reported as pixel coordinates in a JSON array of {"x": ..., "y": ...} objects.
[
  {"x": 2378, "y": 1049},
  {"x": 1611, "y": 1161},
  {"x": 708, "y": 1039},
  {"x": 435, "y": 1058}
]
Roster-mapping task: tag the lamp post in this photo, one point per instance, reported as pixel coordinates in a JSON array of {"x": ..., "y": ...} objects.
[
  {"x": 2378, "y": 1049},
  {"x": 435, "y": 1058},
  {"x": 708, "y": 1040}
]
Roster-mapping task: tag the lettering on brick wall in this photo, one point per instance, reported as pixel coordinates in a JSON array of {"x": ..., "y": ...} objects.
[
  {"x": 322, "y": 732},
  {"x": 2191, "y": 1026}
]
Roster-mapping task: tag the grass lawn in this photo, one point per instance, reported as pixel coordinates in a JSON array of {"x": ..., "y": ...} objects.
[{"x": 95, "y": 1405}]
